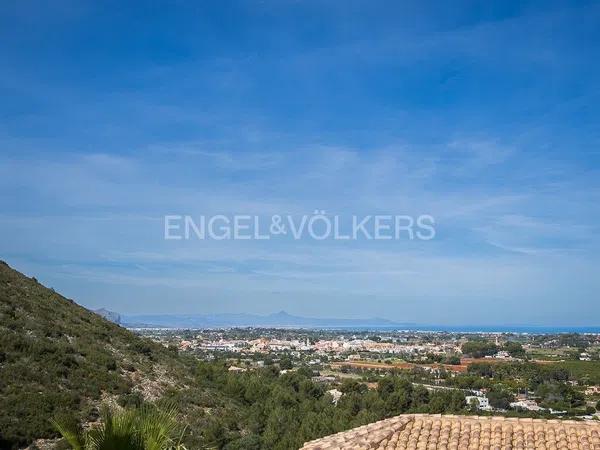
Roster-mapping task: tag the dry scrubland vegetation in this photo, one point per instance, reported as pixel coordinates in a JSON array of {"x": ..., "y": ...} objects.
[{"x": 57, "y": 357}]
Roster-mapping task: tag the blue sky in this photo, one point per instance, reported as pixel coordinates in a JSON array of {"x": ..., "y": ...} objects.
[{"x": 483, "y": 115}]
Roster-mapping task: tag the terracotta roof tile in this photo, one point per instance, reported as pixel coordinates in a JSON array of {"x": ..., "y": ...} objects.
[{"x": 433, "y": 432}]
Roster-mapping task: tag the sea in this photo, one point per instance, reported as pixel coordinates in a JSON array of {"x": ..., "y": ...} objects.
[
  {"x": 522, "y": 329},
  {"x": 499, "y": 329}
]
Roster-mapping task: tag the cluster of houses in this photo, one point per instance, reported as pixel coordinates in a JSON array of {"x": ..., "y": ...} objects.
[{"x": 342, "y": 345}]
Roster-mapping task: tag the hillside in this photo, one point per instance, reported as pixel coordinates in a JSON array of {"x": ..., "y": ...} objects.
[{"x": 56, "y": 356}]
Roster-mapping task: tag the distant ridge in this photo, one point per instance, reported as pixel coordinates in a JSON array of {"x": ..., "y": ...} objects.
[
  {"x": 279, "y": 319},
  {"x": 109, "y": 315}
]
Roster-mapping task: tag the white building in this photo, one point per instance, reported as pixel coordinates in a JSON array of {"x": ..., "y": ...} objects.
[
  {"x": 528, "y": 405},
  {"x": 480, "y": 402}
]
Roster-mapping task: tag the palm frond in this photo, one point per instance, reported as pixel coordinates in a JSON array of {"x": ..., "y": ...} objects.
[
  {"x": 158, "y": 426},
  {"x": 146, "y": 428},
  {"x": 71, "y": 432}
]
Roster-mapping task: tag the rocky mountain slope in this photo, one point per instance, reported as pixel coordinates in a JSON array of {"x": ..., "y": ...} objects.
[{"x": 58, "y": 357}]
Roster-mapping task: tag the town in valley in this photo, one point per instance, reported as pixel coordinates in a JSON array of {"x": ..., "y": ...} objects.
[{"x": 519, "y": 374}]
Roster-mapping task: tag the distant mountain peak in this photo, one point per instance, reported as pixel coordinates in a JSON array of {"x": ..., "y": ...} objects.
[{"x": 109, "y": 315}]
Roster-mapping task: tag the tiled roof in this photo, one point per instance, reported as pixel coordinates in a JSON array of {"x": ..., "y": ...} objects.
[{"x": 432, "y": 432}]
